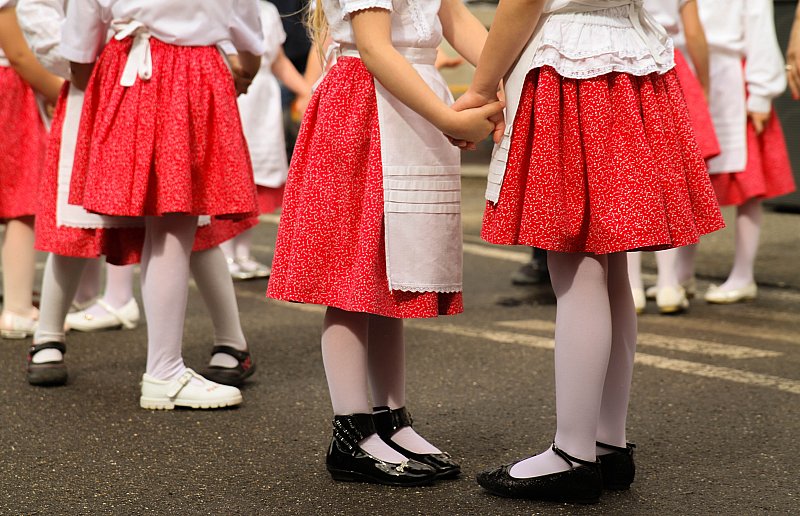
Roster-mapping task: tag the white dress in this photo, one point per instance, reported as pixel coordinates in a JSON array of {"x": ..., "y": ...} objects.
[
  {"x": 260, "y": 109},
  {"x": 739, "y": 31}
]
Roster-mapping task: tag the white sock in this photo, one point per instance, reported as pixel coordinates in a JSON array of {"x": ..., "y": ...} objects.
[
  {"x": 583, "y": 344},
  {"x": 748, "y": 229},
  {"x": 165, "y": 277},
  {"x": 344, "y": 355},
  {"x": 387, "y": 376},
  {"x": 61, "y": 277},
  {"x": 210, "y": 273}
]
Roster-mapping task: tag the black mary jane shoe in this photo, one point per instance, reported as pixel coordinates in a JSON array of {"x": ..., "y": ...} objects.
[
  {"x": 46, "y": 374},
  {"x": 388, "y": 421},
  {"x": 618, "y": 467},
  {"x": 347, "y": 462},
  {"x": 231, "y": 375},
  {"x": 582, "y": 483}
]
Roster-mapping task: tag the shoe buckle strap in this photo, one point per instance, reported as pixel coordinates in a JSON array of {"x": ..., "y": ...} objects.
[
  {"x": 180, "y": 383},
  {"x": 127, "y": 323}
]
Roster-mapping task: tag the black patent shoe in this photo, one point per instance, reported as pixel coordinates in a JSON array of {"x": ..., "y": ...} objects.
[
  {"x": 618, "y": 467},
  {"x": 582, "y": 483},
  {"x": 231, "y": 375},
  {"x": 347, "y": 462},
  {"x": 46, "y": 374},
  {"x": 389, "y": 421}
]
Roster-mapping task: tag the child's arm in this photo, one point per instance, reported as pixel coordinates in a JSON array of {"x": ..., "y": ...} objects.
[
  {"x": 372, "y": 28},
  {"x": 793, "y": 56},
  {"x": 462, "y": 30},
  {"x": 696, "y": 42},
  {"x": 22, "y": 59},
  {"x": 764, "y": 67},
  {"x": 285, "y": 71}
]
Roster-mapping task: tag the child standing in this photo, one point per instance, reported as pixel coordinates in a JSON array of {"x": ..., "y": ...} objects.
[
  {"x": 260, "y": 109},
  {"x": 747, "y": 73},
  {"x": 160, "y": 137},
  {"x": 598, "y": 158},
  {"x": 370, "y": 167},
  {"x": 24, "y": 145}
]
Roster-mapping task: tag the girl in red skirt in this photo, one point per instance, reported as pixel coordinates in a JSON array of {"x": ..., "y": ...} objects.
[
  {"x": 160, "y": 137},
  {"x": 754, "y": 164},
  {"x": 355, "y": 199},
  {"x": 675, "y": 284},
  {"x": 24, "y": 144},
  {"x": 598, "y": 158}
]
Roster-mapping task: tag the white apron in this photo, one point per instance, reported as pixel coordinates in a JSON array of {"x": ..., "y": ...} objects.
[
  {"x": 642, "y": 23},
  {"x": 728, "y": 107},
  {"x": 421, "y": 188}
]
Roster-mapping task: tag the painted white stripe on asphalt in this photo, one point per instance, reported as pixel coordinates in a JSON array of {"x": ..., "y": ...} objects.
[
  {"x": 726, "y": 328},
  {"x": 701, "y": 347},
  {"x": 496, "y": 252}
]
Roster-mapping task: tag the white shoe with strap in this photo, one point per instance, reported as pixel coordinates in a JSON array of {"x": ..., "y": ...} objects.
[
  {"x": 188, "y": 390},
  {"x": 126, "y": 317}
]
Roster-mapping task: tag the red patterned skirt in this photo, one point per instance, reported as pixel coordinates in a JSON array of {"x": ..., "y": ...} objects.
[
  {"x": 607, "y": 164},
  {"x": 171, "y": 144},
  {"x": 23, "y": 141},
  {"x": 330, "y": 247},
  {"x": 121, "y": 246},
  {"x": 768, "y": 172},
  {"x": 697, "y": 106},
  {"x": 269, "y": 199}
]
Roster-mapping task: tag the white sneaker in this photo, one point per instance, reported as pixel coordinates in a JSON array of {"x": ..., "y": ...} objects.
[
  {"x": 236, "y": 270},
  {"x": 125, "y": 318},
  {"x": 188, "y": 390}
]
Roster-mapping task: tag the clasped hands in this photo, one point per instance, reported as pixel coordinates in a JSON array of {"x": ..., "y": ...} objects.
[{"x": 478, "y": 115}]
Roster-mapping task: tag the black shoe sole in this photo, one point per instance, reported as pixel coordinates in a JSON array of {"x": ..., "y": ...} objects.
[
  {"x": 47, "y": 376},
  {"x": 341, "y": 475}
]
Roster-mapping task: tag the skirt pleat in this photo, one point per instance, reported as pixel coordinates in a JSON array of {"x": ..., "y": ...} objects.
[
  {"x": 330, "y": 247},
  {"x": 170, "y": 144},
  {"x": 23, "y": 142},
  {"x": 697, "y": 106},
  {"x": 602, "y": 165}
]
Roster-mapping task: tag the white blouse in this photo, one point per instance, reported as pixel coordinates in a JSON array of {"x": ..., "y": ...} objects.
[
  {"x": 668, "y": 14},
  {"x": 177, "y": 22},
  {"x": 746, "y": 28},
  {"x": 587, "y": 38},
  {"x": 41, "y": 21},
  {"x": 415, "y": 23}
]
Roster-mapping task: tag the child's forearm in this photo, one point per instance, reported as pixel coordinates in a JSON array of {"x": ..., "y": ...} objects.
[
  {"x": 696, "y": 43},
  {"x": 513, "y": 25},
  {"x": 285, "y": 71},
  {"x": 250, "y": 63},
  {"x": 462, "y": 30},
  {"x": 22, "y": 59}
]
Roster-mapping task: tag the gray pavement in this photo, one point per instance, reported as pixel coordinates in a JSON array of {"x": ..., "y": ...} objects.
[{"x": 715, "y": 409}]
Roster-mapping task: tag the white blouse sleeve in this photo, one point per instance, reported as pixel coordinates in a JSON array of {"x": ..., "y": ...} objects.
[
  {"x": 764, "y": 68},
  {"x": 84, "y": 32},
  {"x": 40, "y": 21},
  {"x": 351, "y": 6},
  {"x": 245, "y": 27},
  {"x": 7, "y": 3}
]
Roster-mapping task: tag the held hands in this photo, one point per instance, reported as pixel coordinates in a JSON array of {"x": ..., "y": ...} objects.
[
  {"x": 759, "y": 120},
  {"x": 242, "y": 75},
  {"x": 472, "y": 105}
]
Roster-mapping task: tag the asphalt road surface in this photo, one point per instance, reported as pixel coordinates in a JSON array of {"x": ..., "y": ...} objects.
[{"x": 715, "y": 410}]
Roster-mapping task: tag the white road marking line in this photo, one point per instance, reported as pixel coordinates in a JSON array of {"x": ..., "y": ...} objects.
[
  {"x": 685, "y": 345},
  {"x": 496, "y": 252},
  {"x": 723, "y": 328}
]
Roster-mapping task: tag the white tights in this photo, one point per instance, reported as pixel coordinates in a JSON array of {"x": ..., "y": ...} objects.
[
  {"x": 363, "y": 352},
  {"x": 748, "y": 231},
  {"x": 675, "y": 266},
  {"x": 239, "y": 246},
  {"x": 595, "y": 344}
]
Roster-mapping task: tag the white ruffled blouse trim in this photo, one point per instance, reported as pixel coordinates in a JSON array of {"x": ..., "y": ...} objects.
[{"x": 584, "y": 45}]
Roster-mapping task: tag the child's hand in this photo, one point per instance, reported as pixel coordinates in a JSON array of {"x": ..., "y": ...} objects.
[
  {"x": 472, "y": 99},
  {"x": 759, "y": 120},
  {"x": 242, "y": 78},
  {"x": 473, "y": 124}
]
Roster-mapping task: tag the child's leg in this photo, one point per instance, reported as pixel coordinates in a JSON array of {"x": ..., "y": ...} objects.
[
  {"x": 119, "y": 288},
  {"x": 583, "y": 345},
  {"x": 90, "y": 284},
  {"x": 635, "y": 270},
  {"x": 165, "y": 277},
  {"x": 242, "y": 243},
  {"x": 344, "y": 355},
  {"x": 387, "y": 376},
  {"x": 19, "y": 267},
  {"x": 667, "y": 268},
  {"x": 748, "y": 229},
  {"x": 61, "y": 277},
  {"x": 684, "y": 265},
  {"x": 617, "y": 386},
  {"x": 210, "y": 272}
]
